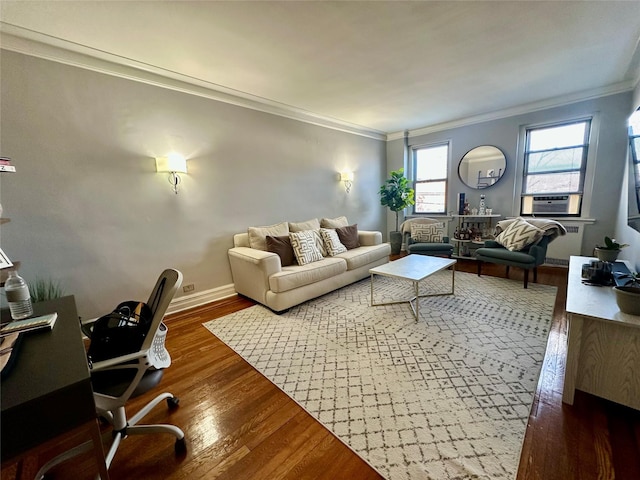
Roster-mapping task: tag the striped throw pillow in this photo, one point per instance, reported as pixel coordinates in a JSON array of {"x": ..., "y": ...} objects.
[
  {"x": 519, "y": 234},
  {"x": 332, "y": 242}
]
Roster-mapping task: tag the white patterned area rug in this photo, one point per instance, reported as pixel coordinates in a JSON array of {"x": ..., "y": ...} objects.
[{"x": 447, "y": 397}]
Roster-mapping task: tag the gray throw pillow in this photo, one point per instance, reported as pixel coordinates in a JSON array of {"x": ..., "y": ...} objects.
[
  {"x": 349, "y": 236},
  {"x": 282, "y": 246}
]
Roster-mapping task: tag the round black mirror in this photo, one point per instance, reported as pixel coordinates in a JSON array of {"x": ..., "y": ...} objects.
[{"x": 482, "y": 167}]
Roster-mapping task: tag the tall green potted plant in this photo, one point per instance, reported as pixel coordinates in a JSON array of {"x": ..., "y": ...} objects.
[{"x": 397, "y": 195}]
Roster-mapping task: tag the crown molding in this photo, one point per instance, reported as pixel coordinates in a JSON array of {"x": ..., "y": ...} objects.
[
  {"x": 35, "y": 44},
  {"x": 520, "y": 110},
  {"x": 28, "y": 42}
]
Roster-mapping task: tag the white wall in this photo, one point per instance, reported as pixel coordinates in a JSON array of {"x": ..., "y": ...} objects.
[
  {"x": 88, "y": 209},
  {"x": 624, "y": 233}
]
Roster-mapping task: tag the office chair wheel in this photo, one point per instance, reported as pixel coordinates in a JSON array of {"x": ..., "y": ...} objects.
[
  {"x": 173, "y": 402},
  {"x": 180, "y": 446}
]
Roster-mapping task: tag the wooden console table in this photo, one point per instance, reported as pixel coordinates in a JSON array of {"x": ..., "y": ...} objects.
[{"x": 603, "y": 351}]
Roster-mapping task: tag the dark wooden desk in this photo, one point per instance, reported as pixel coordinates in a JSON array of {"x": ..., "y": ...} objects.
[{"x": 48, "y": 390}]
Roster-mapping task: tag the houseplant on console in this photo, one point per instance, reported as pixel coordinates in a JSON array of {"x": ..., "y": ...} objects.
[
  {"x": 397, "y": 195},
  {"x": 628, "y": 291},
  {"x": 628, "y": 294},
  {"x": 610, "y": 250}
]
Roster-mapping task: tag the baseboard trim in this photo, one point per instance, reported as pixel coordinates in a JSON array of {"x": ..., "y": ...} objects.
[{"x": 201, "y": 298}]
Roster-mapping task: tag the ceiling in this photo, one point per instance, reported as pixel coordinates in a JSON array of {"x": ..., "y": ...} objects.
[{"x": 382, "y": 66}]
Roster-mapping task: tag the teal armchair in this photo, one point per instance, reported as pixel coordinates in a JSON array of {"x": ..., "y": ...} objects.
[
  {"x": 442, "y": 248},
  {"x": 529, "y": 257}
]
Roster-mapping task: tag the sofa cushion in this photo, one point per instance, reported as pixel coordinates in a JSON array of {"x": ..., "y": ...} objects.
[
  {"x": 304, "y": 247},
  {"x": 349, "y": 236},
  {"x": 282, "y": 246},
  {"x": 300, "y": 275},
  {"x": 312, "y": 224},
  {"x": 258, "y": 235},
  {"x": 359, "y": 257},
  {"x": 332, "y": 242},
  {"x": 334, "y": 222},
  {"x": 427, "y": 233},
  {"x": 519, "y": 234}
]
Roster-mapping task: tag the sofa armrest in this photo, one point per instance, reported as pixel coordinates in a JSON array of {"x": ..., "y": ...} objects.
[
  {"x": 251, "y": 269},
  {"x": 369, "y": 237}
]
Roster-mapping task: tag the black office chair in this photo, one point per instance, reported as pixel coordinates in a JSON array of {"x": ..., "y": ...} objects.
[{"x": 118, "y": 379}]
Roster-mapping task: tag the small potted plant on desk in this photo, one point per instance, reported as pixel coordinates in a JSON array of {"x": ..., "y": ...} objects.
[
  {"x": 397, "y": 195},
  {"x": 628, "y": 294},
  {"x": 610, "y": 250}
]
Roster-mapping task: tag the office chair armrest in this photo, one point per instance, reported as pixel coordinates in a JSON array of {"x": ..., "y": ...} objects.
[
  {"x": 87, "y": 327},
  {"x": 119, "y": 361}
]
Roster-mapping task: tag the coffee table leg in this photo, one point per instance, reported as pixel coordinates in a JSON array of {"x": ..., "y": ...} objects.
[
  {"x": 372, "y": 289},
  {"x": 453, "y": 279},
  {"x": 416, "y": 286}
]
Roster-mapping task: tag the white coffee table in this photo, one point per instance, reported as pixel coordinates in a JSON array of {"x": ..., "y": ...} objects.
[{"x": 414, "y": 268}]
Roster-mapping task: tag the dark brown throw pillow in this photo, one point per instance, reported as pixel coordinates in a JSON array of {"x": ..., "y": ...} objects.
[
  {"x": 281, "y": 246},
  {"x": 349, "y": 236}
]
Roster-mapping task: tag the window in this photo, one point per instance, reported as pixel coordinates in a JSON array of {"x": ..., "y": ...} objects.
[
  {"x": 555, "y": 161},
  {"x": 430, "y": 176},
  {"x": 634, "y": 140}
]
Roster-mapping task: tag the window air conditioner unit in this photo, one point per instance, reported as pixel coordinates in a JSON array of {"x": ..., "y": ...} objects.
[{"x": 551, "y": 204}]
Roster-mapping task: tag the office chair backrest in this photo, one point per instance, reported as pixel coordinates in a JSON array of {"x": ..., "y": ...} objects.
[{"x": 166, "y": 287}]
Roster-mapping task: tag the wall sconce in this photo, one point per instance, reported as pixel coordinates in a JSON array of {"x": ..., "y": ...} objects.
[
  {"x": 174, "y": 164},
  {"x": 347, "y": 178}
]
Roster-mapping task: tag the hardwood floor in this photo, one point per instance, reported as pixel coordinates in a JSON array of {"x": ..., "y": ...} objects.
[{"x": 238, "y": 425}]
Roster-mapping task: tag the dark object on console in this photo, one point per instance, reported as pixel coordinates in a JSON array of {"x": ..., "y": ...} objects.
[
  {"x": 597, "y": 273},
  {"x": 622, "y": 276}
]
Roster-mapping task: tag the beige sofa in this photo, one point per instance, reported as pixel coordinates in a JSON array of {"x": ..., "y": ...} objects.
[{"x": 259, "y": 274}]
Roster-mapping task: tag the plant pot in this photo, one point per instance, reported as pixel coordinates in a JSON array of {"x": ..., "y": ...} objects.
[
  {"x": 605, "y": 255},
  {"x": 395, "y": 238},
  {"x": 628, "y": 299}
]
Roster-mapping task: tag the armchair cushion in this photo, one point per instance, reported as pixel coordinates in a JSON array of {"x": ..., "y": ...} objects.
[
  {"x": 429, "y": 233},
  {"x": 519, "y": 234}
]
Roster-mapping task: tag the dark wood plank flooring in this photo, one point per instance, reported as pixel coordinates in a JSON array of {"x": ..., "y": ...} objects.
[{"x": 240, "y": 426}]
